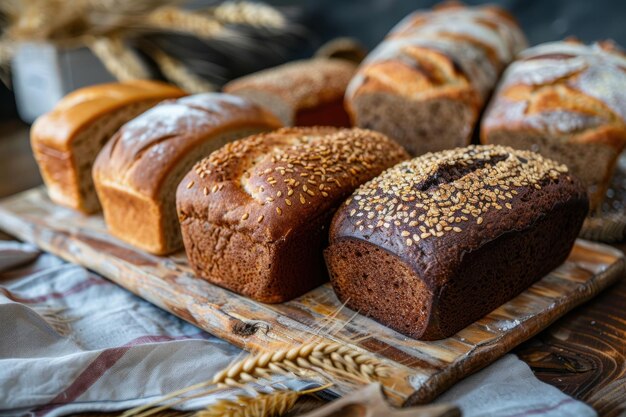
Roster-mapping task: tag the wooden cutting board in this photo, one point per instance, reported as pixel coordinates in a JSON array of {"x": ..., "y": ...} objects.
[{"x": 422, "y": 370}]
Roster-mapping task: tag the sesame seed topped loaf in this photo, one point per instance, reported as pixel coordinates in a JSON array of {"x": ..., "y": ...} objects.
[
  {"x": 301, "y": 93},
  {"x": 138, "y": 170},
  {"x": 255, "y": 214},
  {"x": 66, "y": 140},
  {"x": 567, "y": 101},
  {"x": 427, "y": 82},
  {"x": 437, "y": 242}
]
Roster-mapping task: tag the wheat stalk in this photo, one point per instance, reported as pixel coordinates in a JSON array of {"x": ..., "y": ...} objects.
[
  {"x": 273, "y": 404},
  {"x": 119, "y": 59},
  {"x": 175, "y": 71}
]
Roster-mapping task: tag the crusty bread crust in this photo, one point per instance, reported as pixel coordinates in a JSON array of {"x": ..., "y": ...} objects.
[
  {"x": 302, "y": 93},
  {"x": 66, "y": 140},
  {"x": 255, "y": 214},
  {"x": 559, "y": 99},
  {"x": 456, "y": 233},
  {"x": 452, "y": 53},
  {"x": 137, "y": 172}
]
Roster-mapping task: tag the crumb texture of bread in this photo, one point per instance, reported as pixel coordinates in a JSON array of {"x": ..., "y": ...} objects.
[
  {"x": 567, "y": 101},
  {"x": 301, "y": 93},
  {"x": 137, "y": 172},
  {"x": 435, "y": 243},
  {"x": 67, "y": 140},
  {"x": 255, "y": 214},
  {"x": 427, "y": 82}
]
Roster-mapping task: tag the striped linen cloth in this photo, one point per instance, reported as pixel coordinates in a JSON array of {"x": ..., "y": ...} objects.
[{"x": 71, "y": 341}]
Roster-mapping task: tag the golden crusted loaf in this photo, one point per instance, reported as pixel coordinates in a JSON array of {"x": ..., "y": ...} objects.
[
  {"x": 138, "y": 170},
  {"x": 301, "y": 93},
  {"x": 437, "y": 242},
  {"x": 567, "y": 101},
  {"x": 255, "y": 214},
  {"x": 66, "y": 140},
  {"x": 427, "y": 82}
]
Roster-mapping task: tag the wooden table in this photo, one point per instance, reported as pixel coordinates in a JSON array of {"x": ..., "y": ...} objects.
[{"x": 583, "y": 354}]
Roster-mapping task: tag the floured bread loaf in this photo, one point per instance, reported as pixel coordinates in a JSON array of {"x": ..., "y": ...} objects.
[
  {"x": 255, "y": 214},
  {"x": 426, "y": 83},
  {"x": 435, "y": 243},
  {"x": 66, "y": 140},
  {"x": 138, "y": 170},
  {"x": 567, "y": 101}
]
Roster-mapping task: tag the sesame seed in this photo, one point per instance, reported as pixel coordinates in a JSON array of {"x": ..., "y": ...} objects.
[
  {"x": 279, "y": 211},
  {"x": 260, "y": 219},
  {"x": 190, "y": 184},
  {"x": 245, "y": 216},
  {"x": 479, "y": 220},
  {"x": 287, "y": 201}
]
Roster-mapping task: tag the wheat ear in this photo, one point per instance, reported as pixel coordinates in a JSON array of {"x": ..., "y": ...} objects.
[
  {"x": 314, "y": 358},
  {"x": 248, "y": 13},
  {"x": 273, "y": 404},
  {"x": 329, "y": 357}
]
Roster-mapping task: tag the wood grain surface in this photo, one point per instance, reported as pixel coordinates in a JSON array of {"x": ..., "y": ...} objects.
[
  {"x": 422, "y": 370},
  {"x": 584, "y": 354}
]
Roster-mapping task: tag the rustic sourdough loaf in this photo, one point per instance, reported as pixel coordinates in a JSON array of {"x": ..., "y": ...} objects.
[
  {"x": 301, "y": 93},
  {"x": 435, "y": 243},
  {"x": 567, "y": 101},
  {"x": 426, "y": 83},
  {"x": 138, "y": 170},
  {"x": 66, "y": 140},
  {"x": 255, "y": 214}
]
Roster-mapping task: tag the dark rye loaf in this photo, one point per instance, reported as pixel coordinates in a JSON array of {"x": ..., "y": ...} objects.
[
  {"x": 435, "y": 243},
  {"x": 427, "y": 82},
  {"x": 255, "y": 214}
]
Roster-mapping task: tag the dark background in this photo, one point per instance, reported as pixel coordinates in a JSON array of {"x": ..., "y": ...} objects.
[
  {"x": 370, "y": 20},
  {"x": 541, "y": 20}
]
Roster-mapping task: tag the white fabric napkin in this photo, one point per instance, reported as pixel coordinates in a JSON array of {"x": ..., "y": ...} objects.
[{"x": 72, "y": 341}]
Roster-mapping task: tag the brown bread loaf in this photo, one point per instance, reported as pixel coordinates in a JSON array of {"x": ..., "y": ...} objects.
[
  {"x": 437, "y": 242},
  {"x": 427, "y": 82},
  {"x": 255, "y": 214},
  {"x": 567, "y": 101},
  {"x": 66, "y": 140},
  {"x": 301, "y": 93},
  {"x": 138, "y": 170}
]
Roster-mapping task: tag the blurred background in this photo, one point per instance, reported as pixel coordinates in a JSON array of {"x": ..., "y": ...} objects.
[{"x": 51, "y": 47}]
